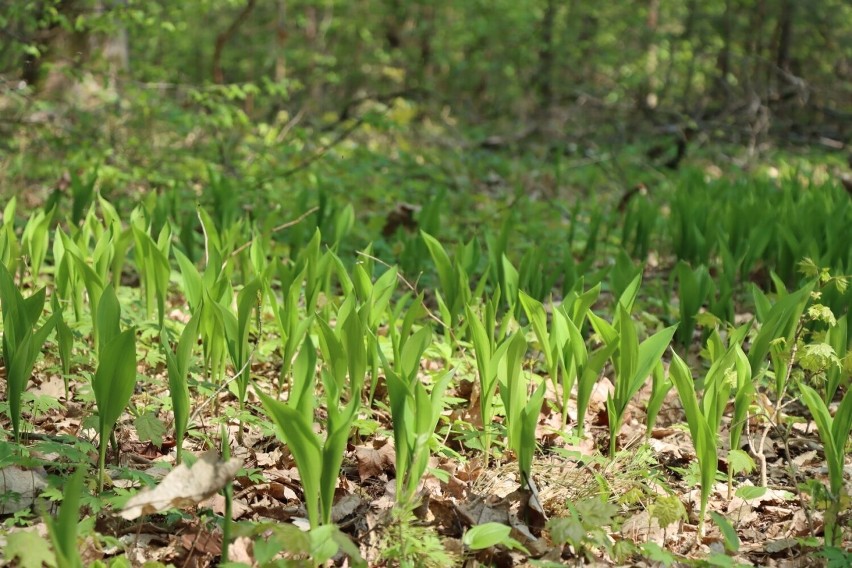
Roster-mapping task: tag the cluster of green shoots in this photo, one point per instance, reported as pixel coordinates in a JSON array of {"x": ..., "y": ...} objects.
[{"x": 340, "y": 330}]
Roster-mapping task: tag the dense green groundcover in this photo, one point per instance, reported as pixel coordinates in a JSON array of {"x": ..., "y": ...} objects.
[
  {"x": 169, "y": 322},
  {"x": 425, "y": 283}
]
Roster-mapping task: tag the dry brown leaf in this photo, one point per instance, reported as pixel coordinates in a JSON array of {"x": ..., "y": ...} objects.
[
  {"x": 372, "y": 461},
  {"x": 203, "y": 541},
  {"x": 184, "y": 486},
  {"x": 241, "y": 550},
  {"x": 53, "y": 387},
  {"x": 217, "y": 504},
  {"x": 347, "y": 505}
]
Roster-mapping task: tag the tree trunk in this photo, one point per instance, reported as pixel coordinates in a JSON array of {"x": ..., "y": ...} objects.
[
  {"x": 648, "y": 98},
  {"x": 544, "y": 77},
  {"x": 785, "y": 36},
  {"x": 223, "y": 38},
  {"x": 280, "y": 40}
]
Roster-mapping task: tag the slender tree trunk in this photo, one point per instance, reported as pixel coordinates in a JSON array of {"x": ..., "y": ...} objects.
[
  {"x": 427, "y": 31},
  {"x": 785, "y": 36},
  {"x": 686, "y": 36},
  {"x": 393, "y": 20},
  {"x": 544, "y": 77},
  {"x": 223, "y": 38},
  {"x": 280, "y": 40},
  {"x": 649, "y": 95},
  {"x": 115, "y": 49}
]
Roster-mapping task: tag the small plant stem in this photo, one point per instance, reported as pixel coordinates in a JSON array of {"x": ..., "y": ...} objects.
[
  {"x": 795, "y": 476},
  {"x": 228, "y": 493},
  {"x": 102, "y": 447},
  {"x": 772, "y": 419},
  {"x": 224, "y": 385}
]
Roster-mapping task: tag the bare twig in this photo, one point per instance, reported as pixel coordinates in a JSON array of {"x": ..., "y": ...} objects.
[
  {"x": 226, "y": 36},
  {"x": 280, "y": 227},
  {"x": 772, "y": 420}
]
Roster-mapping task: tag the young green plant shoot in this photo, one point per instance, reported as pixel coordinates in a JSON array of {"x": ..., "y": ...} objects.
[
  {"x": 177, "y": 364},
  {"x": 115, "y": 377},
  {"x": 633, "y": 362},
  {"x": 22, "y": 341},
  {"x": 705, "y": 417}
]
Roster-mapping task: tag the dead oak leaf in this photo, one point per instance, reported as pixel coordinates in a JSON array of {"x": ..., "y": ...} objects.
[
  {"x": 184, "y": 486},
  {"x": 372, "y": 461}
]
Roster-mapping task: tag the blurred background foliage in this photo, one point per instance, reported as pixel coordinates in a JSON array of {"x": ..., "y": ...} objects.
[{"x": 303, "y": 102}]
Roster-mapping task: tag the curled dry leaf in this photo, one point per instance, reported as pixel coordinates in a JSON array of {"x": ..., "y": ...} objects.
[
  {"x": 373, "y": 461},
  {"x": 184, "y": 486}
]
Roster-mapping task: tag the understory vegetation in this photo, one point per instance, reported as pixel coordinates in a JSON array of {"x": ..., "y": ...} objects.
[{"x": 348, "y": 303}]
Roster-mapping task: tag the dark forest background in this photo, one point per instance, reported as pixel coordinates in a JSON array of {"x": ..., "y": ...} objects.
[{"x": 155, "y": 88}]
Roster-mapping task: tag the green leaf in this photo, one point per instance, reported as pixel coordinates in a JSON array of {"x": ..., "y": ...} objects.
[
  {"x": 729, "y": 533},
  {"x": 412, "y": 352},
  {"x": 115, "y": 379},
  {"x": 486, "y": 535},
  {"x": 650, "y": 352},
  {"x": 778, "y": 322},
  {"x": 192, "y": 284},
  {"x": 446, "y": 274},
  {"x": 567, "y": 530},
  {"x": 64, "y": 340},
  {"x": 29, "y": 549},
  {"x": 297, "y": 432},
  {"x": 740, "y": 462},
  {"x": 749, "y": 492},
  {"x": 656, "y": 553},
  {"x": 538, "y": 318},
  {"x": 834, "y": 447},
  {"x": 668, "y": 510},
  {"x": 510, "y": 283},
  {"x": 63, "y": 530},
  {"x": 108, "y": 320},
  {"x": 150, "y": 428},
  {"x": 595, "y": 512}
]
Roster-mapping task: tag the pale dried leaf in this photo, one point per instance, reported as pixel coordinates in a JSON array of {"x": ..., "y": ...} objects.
[
  {"x": 19, "y": 488},
  {"x": 184, "y": 486}
]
